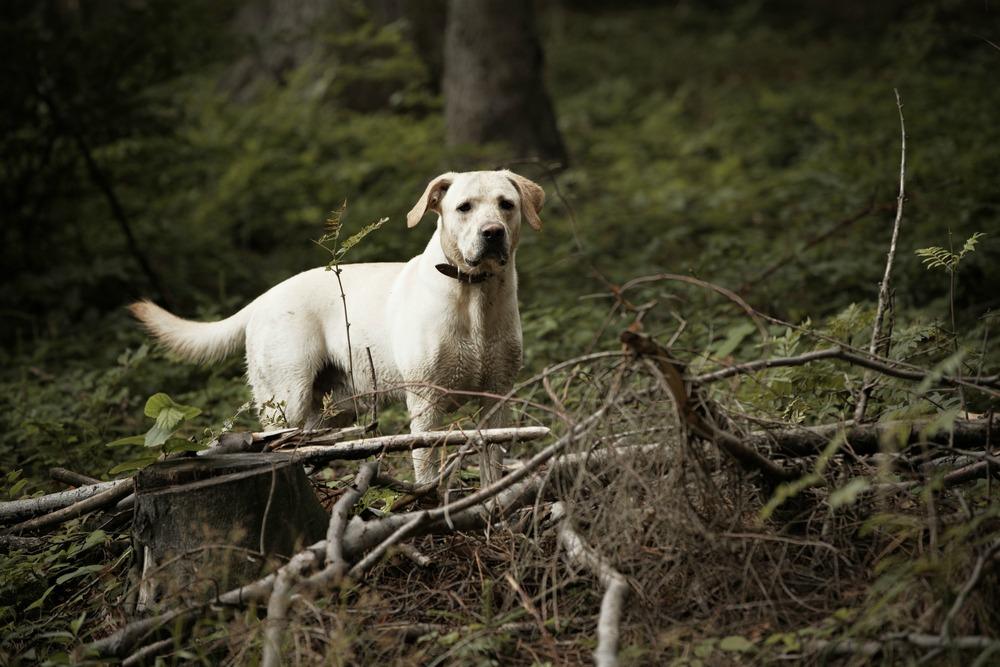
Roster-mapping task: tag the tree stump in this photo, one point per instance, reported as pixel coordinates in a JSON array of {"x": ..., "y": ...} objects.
[{"x": 207, "y": 524}]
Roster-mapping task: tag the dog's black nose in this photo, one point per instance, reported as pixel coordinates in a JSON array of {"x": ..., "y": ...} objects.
[{"x": 492, "y": 233}]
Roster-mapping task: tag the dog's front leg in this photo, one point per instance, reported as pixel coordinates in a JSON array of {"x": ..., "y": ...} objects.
[
  {"x": 425, "y": 415},
  {"x": 491, "y": 456}
]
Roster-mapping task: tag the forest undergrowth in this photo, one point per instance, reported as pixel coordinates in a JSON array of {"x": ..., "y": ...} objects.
[{"x": 755, "y": 159}]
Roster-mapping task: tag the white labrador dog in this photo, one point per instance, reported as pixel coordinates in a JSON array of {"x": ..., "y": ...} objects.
[{"x": 447, "y": 320}]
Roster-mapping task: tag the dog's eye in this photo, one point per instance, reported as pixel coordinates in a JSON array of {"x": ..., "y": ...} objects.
[
  {"x": 506, "y": 204},
  {"x": 465, "y": 207}
]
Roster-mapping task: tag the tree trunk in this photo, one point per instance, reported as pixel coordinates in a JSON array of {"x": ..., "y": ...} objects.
[
  {"x": 207, "y": 524},
  {"x": 493, "y": 85}
]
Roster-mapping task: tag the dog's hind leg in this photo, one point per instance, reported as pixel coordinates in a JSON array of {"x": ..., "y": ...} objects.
[{"x": 283, "y": 387}]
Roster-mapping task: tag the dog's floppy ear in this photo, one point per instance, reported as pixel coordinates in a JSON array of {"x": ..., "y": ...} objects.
[
  {"x": 431, "y": 199},
  {"x": 532, "y": 198}
]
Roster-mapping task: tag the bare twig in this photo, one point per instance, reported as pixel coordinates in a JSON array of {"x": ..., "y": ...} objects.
[
  {"x": 615, "y": 585},
  {"x": 347, "y": 331},
  {"x": 288, "y": 577},
  {"x": 728, "y": 293},
  {"x": 277, "y": 605},
  {"x": 72, "y": 478},
  {"x": 843, "y": 353},
  {"x": 884, "y": 287},
  {"x": 143, "y": 655},
  {"x": 815, "y": 240},
  {"x": 970, "y": 584},
  {"x": 109, "y": 496},
  {"x": 371, "y": 367}
]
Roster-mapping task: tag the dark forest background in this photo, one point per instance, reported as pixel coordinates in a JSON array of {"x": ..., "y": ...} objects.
[{"x": 191, "y": 152}]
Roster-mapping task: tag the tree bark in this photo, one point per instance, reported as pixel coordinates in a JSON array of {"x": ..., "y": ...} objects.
[
  {"x": 493, "y": 85},
  {"x": 207, "y": 524}
]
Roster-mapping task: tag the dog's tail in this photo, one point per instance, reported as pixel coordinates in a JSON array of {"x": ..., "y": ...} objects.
[{"x": 200, "y": 342}]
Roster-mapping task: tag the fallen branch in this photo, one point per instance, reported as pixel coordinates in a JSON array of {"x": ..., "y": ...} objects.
[
  {"x": 287, "y": 577},
  {"x": 340, "y": 515},
  {"x": 277, "y": 606},
  {"x": 874, "y": 363},
  {"x": 71, "y": 478},
  {"x": 316, "y": 452},
  {"x": 883, "y": 289},
  {"x": 868, "y": 438},
  {"x": 697, "y": 411},
  {"x": 510, "y": 493},
  {"x": 143, "y": 655},
  {"x": 109, "y": 496},
  {"x": 414, "y": 631},
  {"x": 872, "y": 647},
  {"x": 691, "y": 280},
  {"x": 14, "y": 510},
  {"x": 615, "y": 585}
]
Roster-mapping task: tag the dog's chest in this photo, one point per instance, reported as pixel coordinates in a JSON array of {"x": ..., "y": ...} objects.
[
  {"x": 477, "y": 354},
  {"x": 476, "y": 364}
]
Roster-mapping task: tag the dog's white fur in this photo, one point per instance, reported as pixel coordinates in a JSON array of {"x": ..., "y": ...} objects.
[{"x": 428, "y": 333}]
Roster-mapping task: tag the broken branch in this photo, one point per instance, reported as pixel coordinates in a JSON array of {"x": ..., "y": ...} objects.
[{"x": 109, "y": 496}]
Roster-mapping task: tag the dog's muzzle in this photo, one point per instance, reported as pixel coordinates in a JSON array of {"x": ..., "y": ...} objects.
[{"x": 493, "y": 244}]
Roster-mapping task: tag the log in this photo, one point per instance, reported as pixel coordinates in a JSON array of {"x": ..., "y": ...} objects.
[
  {"x": 868, "y": 438},
  {"x": 207, "y": 524}
]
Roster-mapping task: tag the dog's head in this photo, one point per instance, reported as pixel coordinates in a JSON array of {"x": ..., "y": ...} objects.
[{"x": 480, "y": 214}]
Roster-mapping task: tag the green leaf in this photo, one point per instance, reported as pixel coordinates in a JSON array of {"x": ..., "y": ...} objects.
[
  {"x": 160, "y": 401},
  {"x": 37, "y": 604},
  {"x": 134, "y": 464},
  {"x": 77, "y": 623},
  {"x": 169, "y": 416},
  {"x": 130, "y": 440},
  {"x": 848, "y": 494},
  {"x": 78, "y": 572},
  {"x": 705, "y": 648},
  {"x": 734, "y": 336},
  {"x": 736, "y": 644},
  {"x": 94, "y": 538},
  {"x": 15, "y": 490}
]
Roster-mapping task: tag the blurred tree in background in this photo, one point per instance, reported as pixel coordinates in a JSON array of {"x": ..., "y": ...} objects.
[{"x": 493, "y": 79}]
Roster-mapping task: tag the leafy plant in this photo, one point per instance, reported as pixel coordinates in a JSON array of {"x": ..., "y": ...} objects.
[
  {"x": 936, "y": 257},
  {"x": 330, "y": 241},
  {"x": 162, "y": 437}
]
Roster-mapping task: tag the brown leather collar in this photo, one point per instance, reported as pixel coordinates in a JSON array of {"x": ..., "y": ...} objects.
[{"x": 469, "y": 278}]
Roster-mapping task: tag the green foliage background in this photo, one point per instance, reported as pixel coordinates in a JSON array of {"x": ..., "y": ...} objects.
[{"x": 705, "y": 138}]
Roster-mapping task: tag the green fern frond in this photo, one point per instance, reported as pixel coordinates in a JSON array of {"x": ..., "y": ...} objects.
[
  {"x": 356, "y": 238},
  {"x": 936, "y": 257},
  {"x": 970, "y": 244}
]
